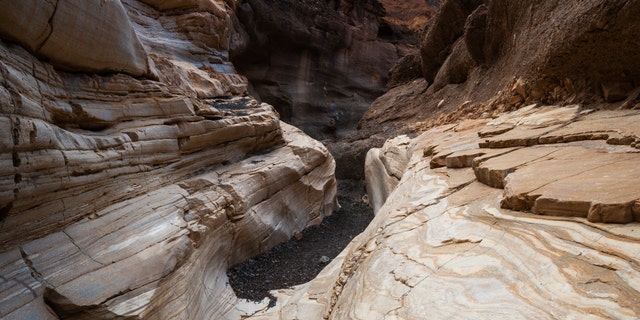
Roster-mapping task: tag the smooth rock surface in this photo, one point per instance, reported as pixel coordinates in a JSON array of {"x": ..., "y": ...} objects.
[
  {"x": 57, "y": 30},
  {"x": 383, "y": 170},
  {"x": 126, "y": 193},
  {"x": 442, "y": 246}
]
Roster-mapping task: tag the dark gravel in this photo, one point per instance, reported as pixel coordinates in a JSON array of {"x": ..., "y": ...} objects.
[{"x": 299, "y": 260}]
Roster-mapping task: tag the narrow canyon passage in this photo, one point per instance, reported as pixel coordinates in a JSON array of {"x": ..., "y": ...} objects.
[
  {"x": 207, "y": 159},
  {"x": 301, "y": 258}
]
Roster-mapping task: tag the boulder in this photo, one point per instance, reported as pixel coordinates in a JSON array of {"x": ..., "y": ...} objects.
[{"x": 58, "y": 32}]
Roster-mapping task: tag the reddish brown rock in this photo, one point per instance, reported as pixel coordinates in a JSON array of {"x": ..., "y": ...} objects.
[
  {"x": 407, "y": 69},
  {"x": 538, "y": 47}
]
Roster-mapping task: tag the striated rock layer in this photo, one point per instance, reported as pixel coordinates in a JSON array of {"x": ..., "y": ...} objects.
[
  {"x": 493, "y": 219},
  {"x": 129, "y": 185}
]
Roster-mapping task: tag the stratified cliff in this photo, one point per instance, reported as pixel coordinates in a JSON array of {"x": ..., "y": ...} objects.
[{"x": 134, "y": 169}]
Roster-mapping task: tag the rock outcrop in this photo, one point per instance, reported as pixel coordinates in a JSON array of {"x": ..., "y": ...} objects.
[
  {"x": 493, "y": 219},
  {"x": 481, "y": 58},
  {"x": 134, "y": 170},
  {"x": 487, "y": 57},
  {"x": 321, "y": 63}
]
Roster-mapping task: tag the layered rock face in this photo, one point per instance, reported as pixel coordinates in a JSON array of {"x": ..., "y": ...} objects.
[
  {"x": 489, "y": 219},
  {"x": 134, "y": 172},
  {"x": 482, "y": 214},
  {"x": 320, "y": 62}
]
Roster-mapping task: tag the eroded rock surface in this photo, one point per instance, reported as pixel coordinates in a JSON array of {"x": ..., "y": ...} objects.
[
  {"x": 321, "y": 62},
  {"x": 129, "y": 185},
  {"x": 449, "y": 242},
  {"x": 482, "y": 58}
]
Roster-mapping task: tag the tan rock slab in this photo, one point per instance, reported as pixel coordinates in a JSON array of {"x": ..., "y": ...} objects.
[
  {"x": 443, "y": 246},
  {"x": 584, "y": 183},
  {"x": 492, "y": 170},
  {"x": 469, "y": 158},
  {"x": 620, "y": 127},
  {"x": 444, "y": 141},
  {"x": 525, "y": 126}
]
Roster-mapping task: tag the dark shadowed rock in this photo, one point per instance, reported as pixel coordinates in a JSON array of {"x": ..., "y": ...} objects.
[
  {"x": 408, "y": 68},
  {"x": 320, "y": 63},
  {"x": 494, "y": 56},
  {"x": 456, "y": 67},
  {"x": 442, "y": 34},
  {"x": 475, "y": 33}
]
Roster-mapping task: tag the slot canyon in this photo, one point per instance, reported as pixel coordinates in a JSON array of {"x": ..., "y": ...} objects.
[{"x": 319, "y": 159}]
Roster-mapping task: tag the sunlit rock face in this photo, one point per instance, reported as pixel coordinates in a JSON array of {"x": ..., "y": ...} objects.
[
  {"x": 133, "y": 167},
  {"x": 494, "y": 219}
]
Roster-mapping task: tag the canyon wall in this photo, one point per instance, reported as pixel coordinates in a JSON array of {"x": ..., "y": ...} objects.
[
  {"x": 322, "y": 62},
  {"x": 135, "y": 169},
  {"x": 480, "y": 58},
  {"x": 508, "y": 183}
]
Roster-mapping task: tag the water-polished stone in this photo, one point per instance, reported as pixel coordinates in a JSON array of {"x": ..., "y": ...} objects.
[{"x": 448, "y": 242}]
